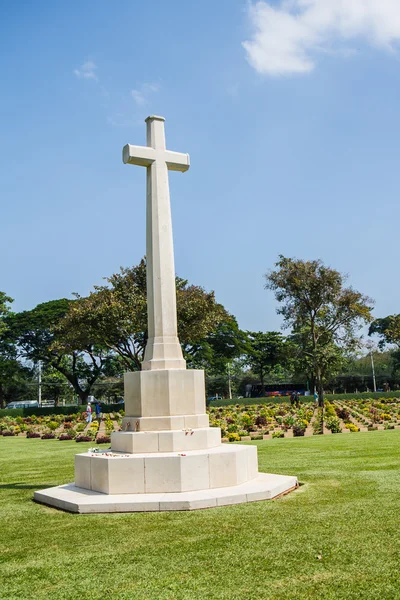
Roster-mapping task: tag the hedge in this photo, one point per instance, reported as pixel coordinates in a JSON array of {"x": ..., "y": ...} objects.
[
  {"x": 363, "y": 395},
  {"x": 43, "y": 411},
  {"x": 250, "y": 401},
  {"x": 279, "y": 399}
]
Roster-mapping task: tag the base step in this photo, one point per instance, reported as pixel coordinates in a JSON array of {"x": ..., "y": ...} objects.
[{"x": 78, "y": 500}]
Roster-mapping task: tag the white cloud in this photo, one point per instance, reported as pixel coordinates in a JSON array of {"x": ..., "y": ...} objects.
[
  {"x": 288, "y": 37},
  {"x": 141, "y": 94},
  {"x": 120, "y": 120},
  {"x": 138, "y": 97},
  {"x": 87, "y": 71}
]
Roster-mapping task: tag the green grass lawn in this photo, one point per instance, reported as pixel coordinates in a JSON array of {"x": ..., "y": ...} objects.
[{"x": 338, "y": 536}]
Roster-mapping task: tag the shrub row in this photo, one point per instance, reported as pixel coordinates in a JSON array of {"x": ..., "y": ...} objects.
[
  {"x": 363, "y": 395},
  {"x": 55, "y": 410},
  {"x": 303, "y": 399},
  {"x": 252, "y": 401}
]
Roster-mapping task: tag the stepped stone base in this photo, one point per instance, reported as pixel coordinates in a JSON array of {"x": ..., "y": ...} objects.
[
  {"x": 116, "y": 473},
  {"x": 78, "y": 500},
  {"x": 166, "y": 457}
]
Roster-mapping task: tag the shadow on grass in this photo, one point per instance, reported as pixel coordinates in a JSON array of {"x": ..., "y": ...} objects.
[{"x": 24, "y": 486}]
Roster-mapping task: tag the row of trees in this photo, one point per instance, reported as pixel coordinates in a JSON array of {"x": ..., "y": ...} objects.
[{"x": 86, "y": 343}]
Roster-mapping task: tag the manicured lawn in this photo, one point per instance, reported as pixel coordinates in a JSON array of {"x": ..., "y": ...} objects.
[{"x": 336, "y": 537}]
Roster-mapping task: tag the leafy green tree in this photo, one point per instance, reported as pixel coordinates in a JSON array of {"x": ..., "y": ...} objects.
[
  {"x": 41, "y": 334},
  {"x": 356, "y": 373},
  {"x": 265, "y": 352},
  {"x": 16, "y": 381},
  {"x": 109, "y": 389},
  {"x": 114, "y": 316},
  {"x": 54, "y": 385},
  {"x": 5, "y": 301},
  {"x": 33, "y": 330},
  {"x": 324, "y": 314},
  {"x": 81, "y": 338},
  {"x": 218, "y": 349},
  {"x": 14, "y": 378},
  {"x": 362, "y": 364},
  {"x": 331, "y": 358},
  {"x": 388, "y": 331}
]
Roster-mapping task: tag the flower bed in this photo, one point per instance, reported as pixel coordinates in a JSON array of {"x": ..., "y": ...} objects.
[
  {"x": 103, "y": 439},
  {"x": 237, "y": 422},
  {"x": 49, "y": 436},
  {"x": 260, "y": 420},
  {"x": 58, "y": 426}
]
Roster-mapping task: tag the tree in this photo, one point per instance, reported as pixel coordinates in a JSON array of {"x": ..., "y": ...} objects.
[
  {"x": 324, "y": 315},
  {"x": 388, "y": 330},
  {"x": 42, "y": 334},
  {"x": 114, "y": 316},
  {"x": 4, "y": 311},
  {"x": 81, "y": 338},
  {"x": 15, "y": 380},
  {"x": 110, "y": 389},
  {"x": 219, "y": 354},
  {"x": 54, "y": 385},
  {"x": 357, "y": 373},
  {"x": 331, "y": 358},
  {"x": 13, "y": 376},
  {"x": 264, "y": 352},
  {"x": 219, "y": 348}
]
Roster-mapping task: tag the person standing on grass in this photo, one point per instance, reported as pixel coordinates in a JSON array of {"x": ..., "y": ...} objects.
[{"x": 89, "y": 413}]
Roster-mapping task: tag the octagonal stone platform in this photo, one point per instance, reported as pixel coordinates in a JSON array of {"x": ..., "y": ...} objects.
[
  {"x": 110, "y": 481},
  {"x": 77, "y": 500}
]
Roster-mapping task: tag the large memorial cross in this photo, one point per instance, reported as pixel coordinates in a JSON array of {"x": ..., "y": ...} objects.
[
  {"x": 166, "y": 456},
  {"x": 163, "y": 350}
]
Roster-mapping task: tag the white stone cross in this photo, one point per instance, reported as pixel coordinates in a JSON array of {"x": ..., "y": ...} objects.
[{"x": 163, "y": 350}]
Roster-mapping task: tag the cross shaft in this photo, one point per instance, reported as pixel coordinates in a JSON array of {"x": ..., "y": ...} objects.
[{"x": 163, "y": 350}]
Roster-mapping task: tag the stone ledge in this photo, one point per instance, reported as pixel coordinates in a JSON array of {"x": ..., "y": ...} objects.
[
  {"x": 133, "y": 442},
  {"x": 165, "y": 423},
  {"x": 70, "y": 498}
]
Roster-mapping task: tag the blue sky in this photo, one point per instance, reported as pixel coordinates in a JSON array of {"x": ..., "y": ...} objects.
[{"x": 293, "y": 137}]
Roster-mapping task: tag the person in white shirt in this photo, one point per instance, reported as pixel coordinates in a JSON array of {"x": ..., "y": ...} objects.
[{"x": 89, "y": 413}]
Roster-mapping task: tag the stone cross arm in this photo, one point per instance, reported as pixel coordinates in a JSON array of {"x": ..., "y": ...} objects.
[{"x": 145, "y": 156}]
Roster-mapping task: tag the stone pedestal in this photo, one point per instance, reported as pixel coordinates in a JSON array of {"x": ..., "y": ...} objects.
[
  {"x": 166, "y": 457},
  {"x": 164, "y": 399}
]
